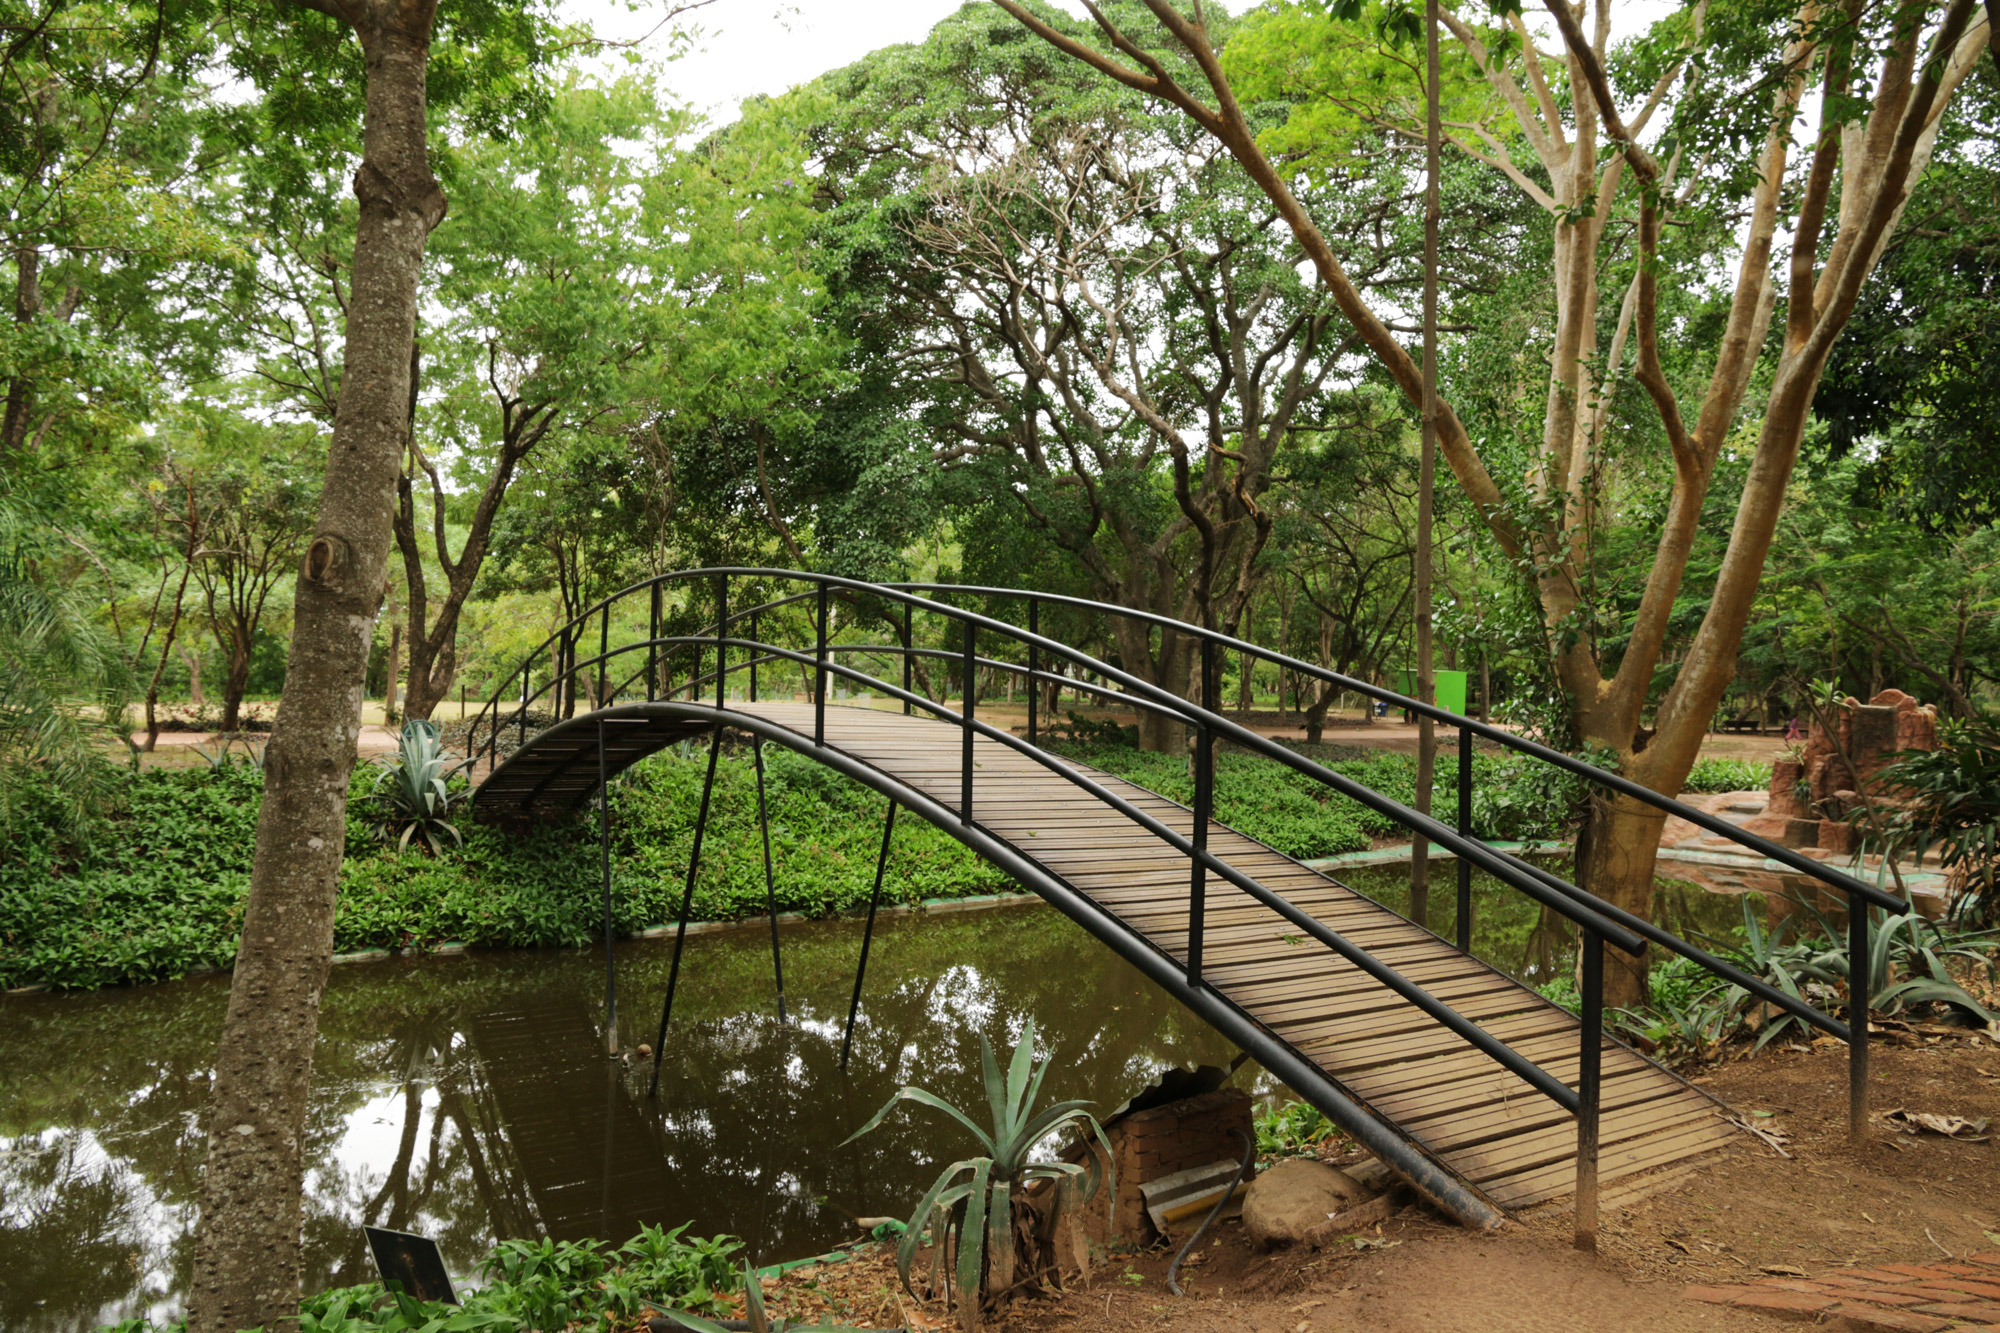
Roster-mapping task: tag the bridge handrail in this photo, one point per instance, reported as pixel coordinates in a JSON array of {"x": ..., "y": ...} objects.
[{"x": 1600, "y": 922}]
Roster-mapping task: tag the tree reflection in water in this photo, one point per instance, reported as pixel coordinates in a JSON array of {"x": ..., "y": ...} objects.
[{"x": 468, "y": 1099}]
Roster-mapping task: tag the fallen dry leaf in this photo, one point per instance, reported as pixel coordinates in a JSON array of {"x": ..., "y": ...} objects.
[{"x": 1929, "y": 1122}]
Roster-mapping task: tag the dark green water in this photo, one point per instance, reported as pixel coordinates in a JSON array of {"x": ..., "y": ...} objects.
[{"x": 468, "y": 1098}]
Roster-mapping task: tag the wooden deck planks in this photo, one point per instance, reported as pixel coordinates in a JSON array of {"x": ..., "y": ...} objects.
[{"x": 1477, "y": 1118}]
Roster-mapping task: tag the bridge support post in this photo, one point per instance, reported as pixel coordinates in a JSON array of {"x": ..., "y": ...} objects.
[
  {"x": 687, "y": 904},
  {"x": 1034, "y": 667},
  {"x": 770, "y": 881},
  {"x": 1464, "y": 931},
  {"x": 867, "y": 936},
  {"x": 604, "y": 860},
  {"x": 968, "y": 690},
  {"x": 1860, "y": 990},
  {"x": 1590, "y": 1060}
]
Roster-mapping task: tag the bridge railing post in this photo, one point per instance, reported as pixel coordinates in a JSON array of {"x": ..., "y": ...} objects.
[
  {"x": 603, "y": 653},
  {"x": 968, "y": 699},
  {"x": 1034, "y": 666},
  {"x": 819, "y": 674},
  {"x": 526, "y": 671},
  {"x": 755, "y": 637},
  {"x": 1204, "y": 810},
  {"x": 1464, "y": 931},
  {"x": 653, "y": 648},
  {"x": 909, "y": 654},
  {"x": 721, "y": 637},
  {"x": 1590, "y": 1059},
  {"x": 1860, "y": 990}
]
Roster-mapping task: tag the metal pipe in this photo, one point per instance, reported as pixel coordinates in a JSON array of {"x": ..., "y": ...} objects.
[
  {"x": 1464, "y": 931},
  {"x": 819, "y": 675},
  {"x": 909, "y": 654},
  {"x": 1860, "y": 994},
  {"x": 652, "y": 650},
  {"x": 1034, "y": 686},
  {"x": 687, "y": 905},
  {"x": 1204, "y": 795},
  {"x": 754, "y": 658},
  {"x": 868, "y": 934},
  {"x": 1589, "y": 1091},
  {"x": 604, "y": 854},
  {"x": 770, "y": 881},
  {"x": 968, "y": 694},
  {"x": 603, "y": 651},
  {"x": 721, "y": 638}
]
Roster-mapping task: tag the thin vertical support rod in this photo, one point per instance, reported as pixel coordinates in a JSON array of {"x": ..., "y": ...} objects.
[
  {"x": 1204, "y": 807},
  {"x": 524, "y": 711},
  {"x": 755, "y": 637},
  {"x": 653, "y": 649},
  {"x": 1034, "y": 666},
  {"x": 603, "y": 650},
  {"x": 867, "y": 935},
  {"x": 1860, "y": 989},
  {"x": 604, "y": 859},
  {"x": 770, "y": 879},
  {"x": 687, "y": 905},
  {"x": 968, "y": 693},
  {"x": 1464, "y": 831},
  {"x": 819, "y": 674},
  {"x": 1589, "y": 1082},
  {"x": 721, "y": 638},
  {"x": 909, "y": 655}
]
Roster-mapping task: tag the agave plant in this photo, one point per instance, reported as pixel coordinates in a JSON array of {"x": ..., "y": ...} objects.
[
  {"x": 974, "y": 1205},
  {"x": 1908, "y": 964},
  {"x": 415, "y": 785}
]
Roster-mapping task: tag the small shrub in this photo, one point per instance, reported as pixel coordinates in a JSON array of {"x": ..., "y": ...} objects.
[{"x": 1720, "y": 775}]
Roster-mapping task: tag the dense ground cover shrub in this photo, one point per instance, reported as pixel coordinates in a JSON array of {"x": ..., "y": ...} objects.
[
  {"x": 540, "y": 1285},
  {"x": 160, "y": 894},
  {"x": 1514, "y": 799},
  {"x": 1720, "y": 775}
]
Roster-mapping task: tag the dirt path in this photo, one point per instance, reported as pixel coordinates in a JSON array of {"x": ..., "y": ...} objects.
[{"x": 1826, "y": 1208}]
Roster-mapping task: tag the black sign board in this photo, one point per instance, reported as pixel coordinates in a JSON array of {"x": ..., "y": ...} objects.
[{"x": 412, "y": 1261}]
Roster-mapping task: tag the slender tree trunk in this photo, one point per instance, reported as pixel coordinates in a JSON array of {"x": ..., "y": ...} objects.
[
  {"x": 235, "y": 681},
  {"x": 247, "y": 1243},
  {"x": 1420, "y": 869},
  {"x": 197, "y": 699},
  {"x": 395, "y": 665}
]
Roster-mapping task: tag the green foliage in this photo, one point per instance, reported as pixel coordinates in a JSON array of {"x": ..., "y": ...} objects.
[
  {"x": 416, "y": 788},
  {"x": 1720, "y": 775},
  {"x": 540, "y": 1286},
  {"x": 62, "y": 683},
  {"x": 975, "y": 1199},
  {"x": 1951, "y": 804},
  {"x": 1295, "y": 1129},
  {"x": 1692, "y": 1013},
  {"x": 1514, "y": 798},
  {"x": 163, "y": 895}
]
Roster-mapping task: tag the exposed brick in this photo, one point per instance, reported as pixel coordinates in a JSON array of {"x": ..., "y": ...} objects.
[
  {"x": 1783, "y": 1304},
  {"x": 1713, "y": 1295},
  {"x": 1983, "y": 1310},
  {"x": 1877, "y": 1297},
  {"x": 1970, "y": 1286},
  {"x": 1919, "y": 1271},
  {"x": 1861, "y": 1319},
  {"x": 1991, "y": 1258}
]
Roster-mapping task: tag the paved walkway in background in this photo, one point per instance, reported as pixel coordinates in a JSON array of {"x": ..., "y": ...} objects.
[{"x": 1894, "y": 1298}]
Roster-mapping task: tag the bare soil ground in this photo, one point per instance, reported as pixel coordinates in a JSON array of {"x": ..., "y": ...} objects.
[{"x": 1825, "y": 1206}]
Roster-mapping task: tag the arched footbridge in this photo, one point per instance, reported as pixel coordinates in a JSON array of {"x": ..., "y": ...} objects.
[{"x": 1484, "y": 1096}]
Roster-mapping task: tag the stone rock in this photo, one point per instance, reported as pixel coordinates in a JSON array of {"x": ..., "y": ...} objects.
[
  {"x": 1801, "y": 833},
  {"x": 1286, "y": 1202},
  {"x": 1836, "y": 836},
  {"x": 1784, "y": 801}
]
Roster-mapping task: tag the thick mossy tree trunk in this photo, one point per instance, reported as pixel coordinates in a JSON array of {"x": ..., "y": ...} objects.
[{"x": 247, "y": 1243}]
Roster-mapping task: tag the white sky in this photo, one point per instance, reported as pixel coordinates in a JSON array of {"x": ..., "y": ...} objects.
[{"x": 758, "y": 47}]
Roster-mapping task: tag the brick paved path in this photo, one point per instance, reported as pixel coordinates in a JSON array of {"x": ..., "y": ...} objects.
[{"x": 1892, "y": 1298}]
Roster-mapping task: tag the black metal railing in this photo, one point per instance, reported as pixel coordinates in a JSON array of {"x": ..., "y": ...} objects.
[{"x": 1599, "y": 923}]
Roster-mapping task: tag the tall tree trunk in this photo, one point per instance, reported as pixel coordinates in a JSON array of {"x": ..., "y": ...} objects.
[
  {"x": 247, "y": 1243},
  {"x": 235, "y": 680},
  {"x": 20, "y": 389},
  {"x": 197, "y": 700},
  {"x": 1420, "y": 863}
]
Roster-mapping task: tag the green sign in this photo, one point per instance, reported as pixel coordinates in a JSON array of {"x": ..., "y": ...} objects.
[{"x": 1450, "y": 688}]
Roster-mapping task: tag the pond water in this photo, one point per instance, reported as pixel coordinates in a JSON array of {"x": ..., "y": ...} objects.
[{"x": 467, "y": 1098}]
